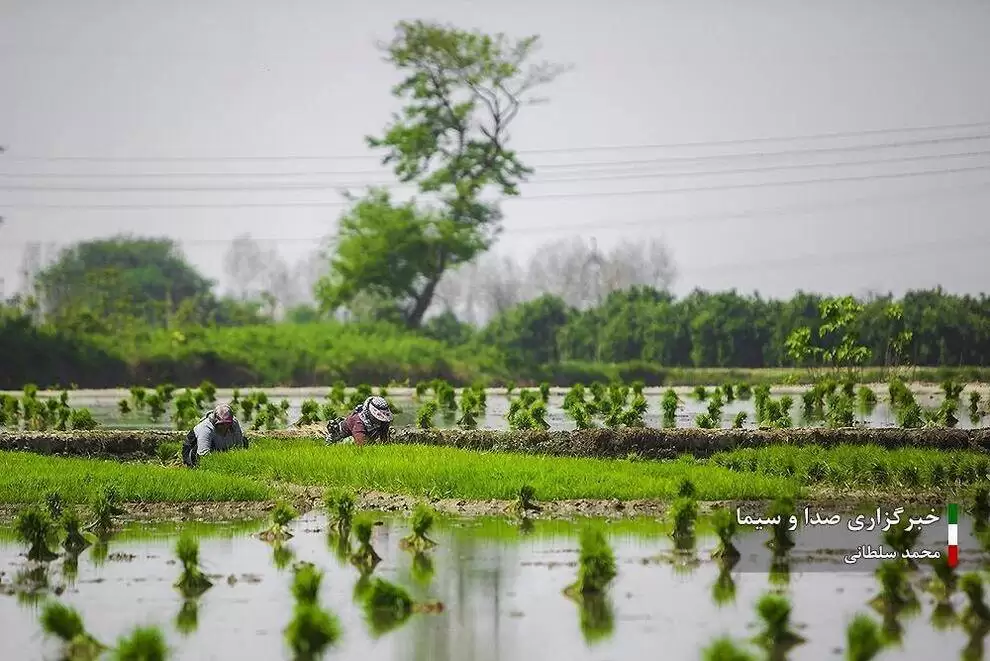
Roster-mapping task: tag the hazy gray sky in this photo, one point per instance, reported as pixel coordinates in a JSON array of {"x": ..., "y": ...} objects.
[{"x": 245, "y": 78}]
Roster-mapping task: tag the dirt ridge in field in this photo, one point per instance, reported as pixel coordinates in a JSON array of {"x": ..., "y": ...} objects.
[{"x": 644, "y": 442}]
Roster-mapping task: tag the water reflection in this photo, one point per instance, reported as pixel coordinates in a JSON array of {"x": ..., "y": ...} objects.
[
  {"x": 724, "y": 587},
  {"x": 187, "y": 620}
]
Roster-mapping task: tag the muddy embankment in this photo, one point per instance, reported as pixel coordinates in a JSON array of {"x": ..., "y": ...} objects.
[{"x": 646, "y": 443}]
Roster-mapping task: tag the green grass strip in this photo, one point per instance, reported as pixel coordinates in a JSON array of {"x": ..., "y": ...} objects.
[
  {"x": 26, "y": 477},
  {"x": 452, "y": 473}
]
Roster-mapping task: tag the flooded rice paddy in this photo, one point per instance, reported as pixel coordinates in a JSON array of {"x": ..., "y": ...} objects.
[
  {"x": 103, "y": 405},
  {"x": 501, "y": 587}
]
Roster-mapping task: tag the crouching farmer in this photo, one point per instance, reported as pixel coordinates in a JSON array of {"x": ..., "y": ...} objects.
[
  {"x": 216, "y": 432},
  {"x": 372, "y": 420}
]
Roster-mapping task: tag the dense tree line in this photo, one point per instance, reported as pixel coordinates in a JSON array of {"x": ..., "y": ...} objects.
[{"x": 728, "y": 329}]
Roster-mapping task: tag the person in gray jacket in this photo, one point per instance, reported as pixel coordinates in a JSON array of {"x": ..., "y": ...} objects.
[{"x": 216, "y": 431}]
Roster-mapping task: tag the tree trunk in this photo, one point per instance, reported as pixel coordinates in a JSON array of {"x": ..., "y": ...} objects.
[{"x": 415, "y": 317}]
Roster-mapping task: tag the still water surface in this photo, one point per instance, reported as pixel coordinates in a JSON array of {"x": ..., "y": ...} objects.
[{"x": 502, "y": 591}]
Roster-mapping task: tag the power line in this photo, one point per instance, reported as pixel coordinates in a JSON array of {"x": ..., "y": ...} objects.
[
  {"x": 659, "y": 222},
  {"x": 529, "y": 198},
  {"x": 548, "y": 150},
  {"x": 586, "y": 178},
  {"x": 608, "y": 164}
]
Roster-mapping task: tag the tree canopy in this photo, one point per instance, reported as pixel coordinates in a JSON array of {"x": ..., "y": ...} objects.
[{"x": 461, "y": 91}]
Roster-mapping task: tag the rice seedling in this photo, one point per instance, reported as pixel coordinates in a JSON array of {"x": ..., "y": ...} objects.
[
  {"x": 54, "y": 504},
  {"x": 980, "y": 506},
  {"x": 596, "y": 565},
  {"x": 75, "y": 542},
  {"x": 524, "y": 501},
  {"x": 364, "y": 558},
  {"x": 386, "y": 606},
  {"x": 633, "y": 416},
  {"x": 776, "y": 637},
  {"x": 729, "y": 392},
  {"x": 192, "y": 582},
  {"x": 700, "y": 393},
  {"x": 976, "y": 613},
  {"x": 686, "y": 489},
  {"x": 864, "y": 639},
  {"x": 545, "y": 392},
  {"x": 668, "y": 406},
  {"x": 744, "y": 391},
  {"x": 282, "y": 515},
  {"x": 726, "y": 526},
  {"x": 581, "y": 416},
  {"x": 340, "y": 510},
  {"x": 761, "y": 395},
  {"x": 974, "y": 406},
  {"x": 509, "y": 387},
  {"x": 425, "y": 414},
  {"x": 469, "y": 408},
  {"x": 445, "y": 395},
  {"x": 64, "y": 623},
  {"x": 143, "y": 644},
  {"x": 422, "y": 521},
  {"x": 739, "y": 420},
  {"x": 309, "y": 413},
  {"x": 725, "y": 649},
  {"x": 575, "y": 397},
  {"x": 839, "y": 412},
  {"x": 867, "y": 399},
  {"x": 683, "y": 516},
  {"x": 36, "y": 529}
]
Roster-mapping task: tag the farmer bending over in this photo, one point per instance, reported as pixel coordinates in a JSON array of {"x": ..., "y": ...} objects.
[
  {"x": 217, "y": 431},
  {"x": 369, "y": 421}
]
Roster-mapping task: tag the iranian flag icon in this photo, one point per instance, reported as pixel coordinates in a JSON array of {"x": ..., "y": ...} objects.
[{"x": 953, "y": 516}]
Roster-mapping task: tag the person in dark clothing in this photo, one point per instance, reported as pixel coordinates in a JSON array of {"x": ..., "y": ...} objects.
[{"x": 372, "y": 420}]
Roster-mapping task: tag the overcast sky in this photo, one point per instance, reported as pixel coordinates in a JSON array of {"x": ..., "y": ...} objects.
[{"x": 187, "y": 80}]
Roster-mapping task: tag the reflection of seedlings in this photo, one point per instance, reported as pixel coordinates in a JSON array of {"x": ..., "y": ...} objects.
[
  {"x": 724, "y": 587},
  {"x": 387, "y": 606},
  {"x": 187, "y": 619},
  {"x": 780, "y": 537},
  {"x": 902, "y": 540},
  {"x": 776, "y": 637},
  {"x": 974, "y": 649},
  {"x": 75, "y": 542},
  {"x": 422, "y": 521},
  {"x": 36, "y": 529},
  {"x": 281, "y": 555},
  {"x": 596, "y": 567},
  {"x": 895, "y": 590},
  {"x": 422, "y": 567},
  {"x": 944, "y": 581},
  {"x": 976, "y": 613},
  {"x": 282, "y": 516},
  {"x": 31, "y": 584},
  {"x": 193, "y": 582},
  {"x": 683, "y": 514},
  {"x": 64, "y": 623},
  {"x": 524, "y": 502},
  {"x": 311, "y": 629},
  {"x": 99, "y": 552},
  {"x": 725, "y": 525},
  {"x": 361, "y": 587},
  {"x": 725, "y": 649},
  {"x": 863, "y": 639},
  {"x": 526, "y": 526},
  {"x": 943, "y": 616},
  {"x": 340, "y": 510},
  {"x": 339, "y": 544},
  {"x": 143, "y": 644},
  {"x": 365, "y": 558},
  {"x": 780, "y": 569},
  {"x": 597, "y": 619},
  {"x": 70, "y": 567}
]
